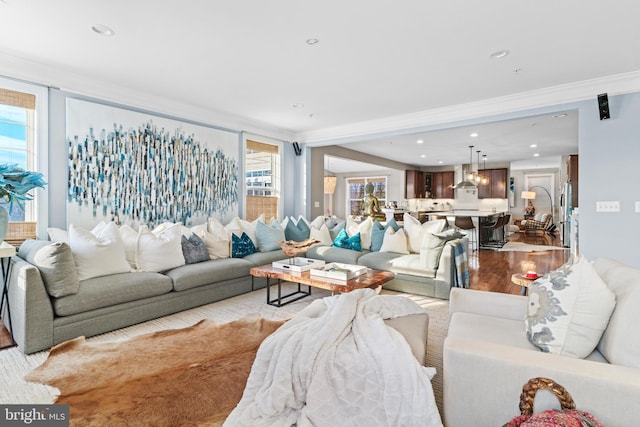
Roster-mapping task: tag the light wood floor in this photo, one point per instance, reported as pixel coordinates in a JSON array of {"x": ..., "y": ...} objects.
[{"x": 490, "y": 270}]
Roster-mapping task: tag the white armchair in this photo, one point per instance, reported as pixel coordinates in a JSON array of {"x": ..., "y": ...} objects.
[{"x": 487, "y": 358}]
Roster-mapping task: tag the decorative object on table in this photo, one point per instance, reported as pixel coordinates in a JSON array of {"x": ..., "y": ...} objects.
[
  {"x": 291, "y": 248},
  {"x": 568, "y": 416},
  {"x": 338, "y": 271},
  {"x": 15, "y": 184},
  {"x": 371, "y": 204},
  {"x": 298, "y": 264}
]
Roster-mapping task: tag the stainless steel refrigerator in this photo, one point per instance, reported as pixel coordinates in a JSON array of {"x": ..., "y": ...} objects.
[{"x": 565, "y": 213}]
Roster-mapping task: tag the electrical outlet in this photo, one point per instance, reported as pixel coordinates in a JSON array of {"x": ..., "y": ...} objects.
[{"x": 610, "y": 206}]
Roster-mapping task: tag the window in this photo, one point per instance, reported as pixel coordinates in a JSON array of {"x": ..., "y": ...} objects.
[
  {"x": 17, "y": 140},
  {"x": 355, "y": 192},
  {"x": 262, "y": 169}
]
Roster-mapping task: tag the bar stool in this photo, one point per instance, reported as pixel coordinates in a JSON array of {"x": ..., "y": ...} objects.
[{"x": 466, "y": 223}]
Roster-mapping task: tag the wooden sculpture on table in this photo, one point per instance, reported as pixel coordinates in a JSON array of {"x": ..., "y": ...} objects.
[{"x": 292, "y": 248}]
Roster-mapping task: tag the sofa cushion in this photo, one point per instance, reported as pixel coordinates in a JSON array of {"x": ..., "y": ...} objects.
[
  {"x": 377, "y": 233},
  {"x": 394, "y": 241},
  {"x": 110, "y": 290},
  {"x": 344, "y": 241},
  {"x": 238, "y": 226},
  {"x": 56, "y": 265},
  {"x": 205, "y": 273},
  {"x": 620, "y": 343},
  {"x": 378, "y": 260},
  {"x": 432, "y": 246},
  {"x": 296, "y": 230},
  {"x": 262, "y": 258},
  {"x": 241, "y": 246},
  {"x": 497, "y": 330},
  {"x": 411, "y": 264},
  {"x": 333, "y": 254},
  {"x": 160, "y": 249},
  {"x": 415, "y": 230},
  {"x": 194, "y": 250},
  {"x": 322, "y": 234},
  {"x": 363, "y": 229},
  {"x": 568, "y": 310},
  {"x": 99, "y": 252},
  {"x": 269, "y": 235}
]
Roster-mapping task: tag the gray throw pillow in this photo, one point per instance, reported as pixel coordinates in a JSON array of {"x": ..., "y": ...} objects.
[
  {"x": 432, "y": 246},
  {"x": 56, "y": 265},
  {"x": 194, "y": 250}
]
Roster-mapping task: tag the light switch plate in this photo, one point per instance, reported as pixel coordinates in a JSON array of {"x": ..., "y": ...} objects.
[{"x": 608, "y": 206}]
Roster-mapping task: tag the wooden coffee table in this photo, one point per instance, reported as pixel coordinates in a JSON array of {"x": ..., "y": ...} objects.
[{"x": 371, "y": 279}]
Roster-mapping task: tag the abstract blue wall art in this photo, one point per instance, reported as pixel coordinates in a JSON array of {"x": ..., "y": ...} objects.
[{"x": 134, "y": 168}]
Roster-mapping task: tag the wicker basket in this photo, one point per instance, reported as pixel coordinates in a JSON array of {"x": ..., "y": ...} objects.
[
  {"x": 567, "y": 417},
  {"x": 18, "y": 232}
]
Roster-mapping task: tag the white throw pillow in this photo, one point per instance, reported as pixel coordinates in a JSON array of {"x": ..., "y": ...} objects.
[
  {"x": 129, "y": 240},
  {"x": 238, "y": 226},
  {"x": 159, "y": 252},
  {"x": 317, "y": 222},
  {"x": 58, "y": 235},
  {"x": 364, "y": 228},
  {"x": 415, "y": 231},
  {"x": 215, "y": 238},
  {"x": 322, "y": 234},
  {"x": 569, "y": 310},
  {"x": 99, "y": 254},
  {"x": 394, "y": 241}
]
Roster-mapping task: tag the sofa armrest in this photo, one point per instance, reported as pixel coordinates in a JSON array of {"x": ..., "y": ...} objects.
[
  {"x": 31, "y": 310},
  {"x": 488, "y": 303},
  {"x": 483, "y": 382}
]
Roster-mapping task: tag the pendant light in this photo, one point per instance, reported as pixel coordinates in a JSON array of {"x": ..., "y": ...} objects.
[{"x": 484, "y": 180}]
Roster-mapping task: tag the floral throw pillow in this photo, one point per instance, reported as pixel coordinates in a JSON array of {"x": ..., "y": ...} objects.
[{"x": 569, "y": 310}]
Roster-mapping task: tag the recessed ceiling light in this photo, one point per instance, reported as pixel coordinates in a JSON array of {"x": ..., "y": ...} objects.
[
  {"x": 517, "y": 70},
  {"x": 311, "y": 116},
  {"x": 419, "y": 141},
  {"x": 559, "y": 116},
  {"x": 499, "y": 54},
  {"x": 440, "y": 162},
  {"x": 473, "y": 135},
  {"x": 103, "y": 30},
  {"x": 533, "y": 145},
  {"x": 423, "y": 155},
  {"x": 536, "y": 154},
  {"x": 312, "y": 41},
  {"x": 298, "y": 105}
]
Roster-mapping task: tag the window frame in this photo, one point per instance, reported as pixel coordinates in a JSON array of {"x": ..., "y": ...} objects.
[{"x": 349, "y": 200}]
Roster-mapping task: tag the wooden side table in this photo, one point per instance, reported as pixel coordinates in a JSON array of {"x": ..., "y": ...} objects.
[
  {"x": 522, "y": 280},
  {"x": 6, "y": 252}
]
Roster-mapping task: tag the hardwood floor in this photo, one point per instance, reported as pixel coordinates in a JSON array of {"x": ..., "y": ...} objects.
[{"x": 490, "y": 270}]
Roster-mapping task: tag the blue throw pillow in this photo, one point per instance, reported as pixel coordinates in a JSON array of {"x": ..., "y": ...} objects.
[
  {"x": 241, "y": 246},
  {"x": 268, "y": 236},
  {"x": 336, "y": 229},
  {"x": 296, "y": 232},
  {"x": 377, "y": 233},
  {"x": 194, "y": 250},
  {"x": 344, "y": 241}
]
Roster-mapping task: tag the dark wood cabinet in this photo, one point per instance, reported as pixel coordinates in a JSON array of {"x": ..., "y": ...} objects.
[
  {"x": 496, "y": 186},
  {"x": 572, "y": 174},
  {"x": 415, "y": 184},
  {"x": 442, "y": 185}
]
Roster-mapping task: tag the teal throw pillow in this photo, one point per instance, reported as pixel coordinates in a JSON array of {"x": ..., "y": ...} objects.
[
  {"x": 344, "y": 241},
  {"x": 336, "y": 229},
  {"x": 241, "y": 246},
  {"x": 377, "y": 233},
  {"x": 296, "y": 232},
  {"x": 194, "y": 250},
  {"x": 268, "y": 236}
]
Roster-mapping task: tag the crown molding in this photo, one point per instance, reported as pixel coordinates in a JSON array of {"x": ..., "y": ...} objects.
[
  {"x": 29, "y": 71},
  {"x": 539, "y": 98}
]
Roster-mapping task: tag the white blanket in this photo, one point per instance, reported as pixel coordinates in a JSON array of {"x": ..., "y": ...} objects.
[{"x": 337, "y": 364}]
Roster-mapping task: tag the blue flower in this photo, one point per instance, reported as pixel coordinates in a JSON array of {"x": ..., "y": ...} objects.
[{"x": 15, "y": 184}]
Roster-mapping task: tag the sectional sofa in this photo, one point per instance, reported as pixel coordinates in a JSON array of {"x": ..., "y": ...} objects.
[{"x": 41, "y": 318}]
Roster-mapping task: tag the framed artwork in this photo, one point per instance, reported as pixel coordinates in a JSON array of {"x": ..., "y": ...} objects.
[
  {"x": 137, "y": 168},
  {"x": 512, "y": 192}
]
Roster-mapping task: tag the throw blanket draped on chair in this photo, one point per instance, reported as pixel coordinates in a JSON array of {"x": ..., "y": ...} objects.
[
  {"x": 461, "y": 262},
  {"x": 338, "y": 364}
]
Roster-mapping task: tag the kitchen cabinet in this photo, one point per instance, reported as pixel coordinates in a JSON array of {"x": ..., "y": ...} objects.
[
  {"x": 415, "y": 184},
  {"x": 442, "y": 185},
  {"x": 496, "y": 187}
]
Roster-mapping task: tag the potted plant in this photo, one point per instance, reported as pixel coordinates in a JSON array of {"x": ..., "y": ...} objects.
[{"x": 15, "y": 184}]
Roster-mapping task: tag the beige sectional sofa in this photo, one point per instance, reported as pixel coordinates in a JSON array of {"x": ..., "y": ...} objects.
[{"x": 488, "y": 358}]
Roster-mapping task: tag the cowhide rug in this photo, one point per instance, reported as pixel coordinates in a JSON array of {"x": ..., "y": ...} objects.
[{"x": 181, "y": 377}]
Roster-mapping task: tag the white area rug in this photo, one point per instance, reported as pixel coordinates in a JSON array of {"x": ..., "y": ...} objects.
[
  {"x": 14, "y": 365},
  {"x": 525, "y": 247}
]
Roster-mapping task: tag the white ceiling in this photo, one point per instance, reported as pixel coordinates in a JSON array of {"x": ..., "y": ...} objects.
[{"x": 375, "y": 59}]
